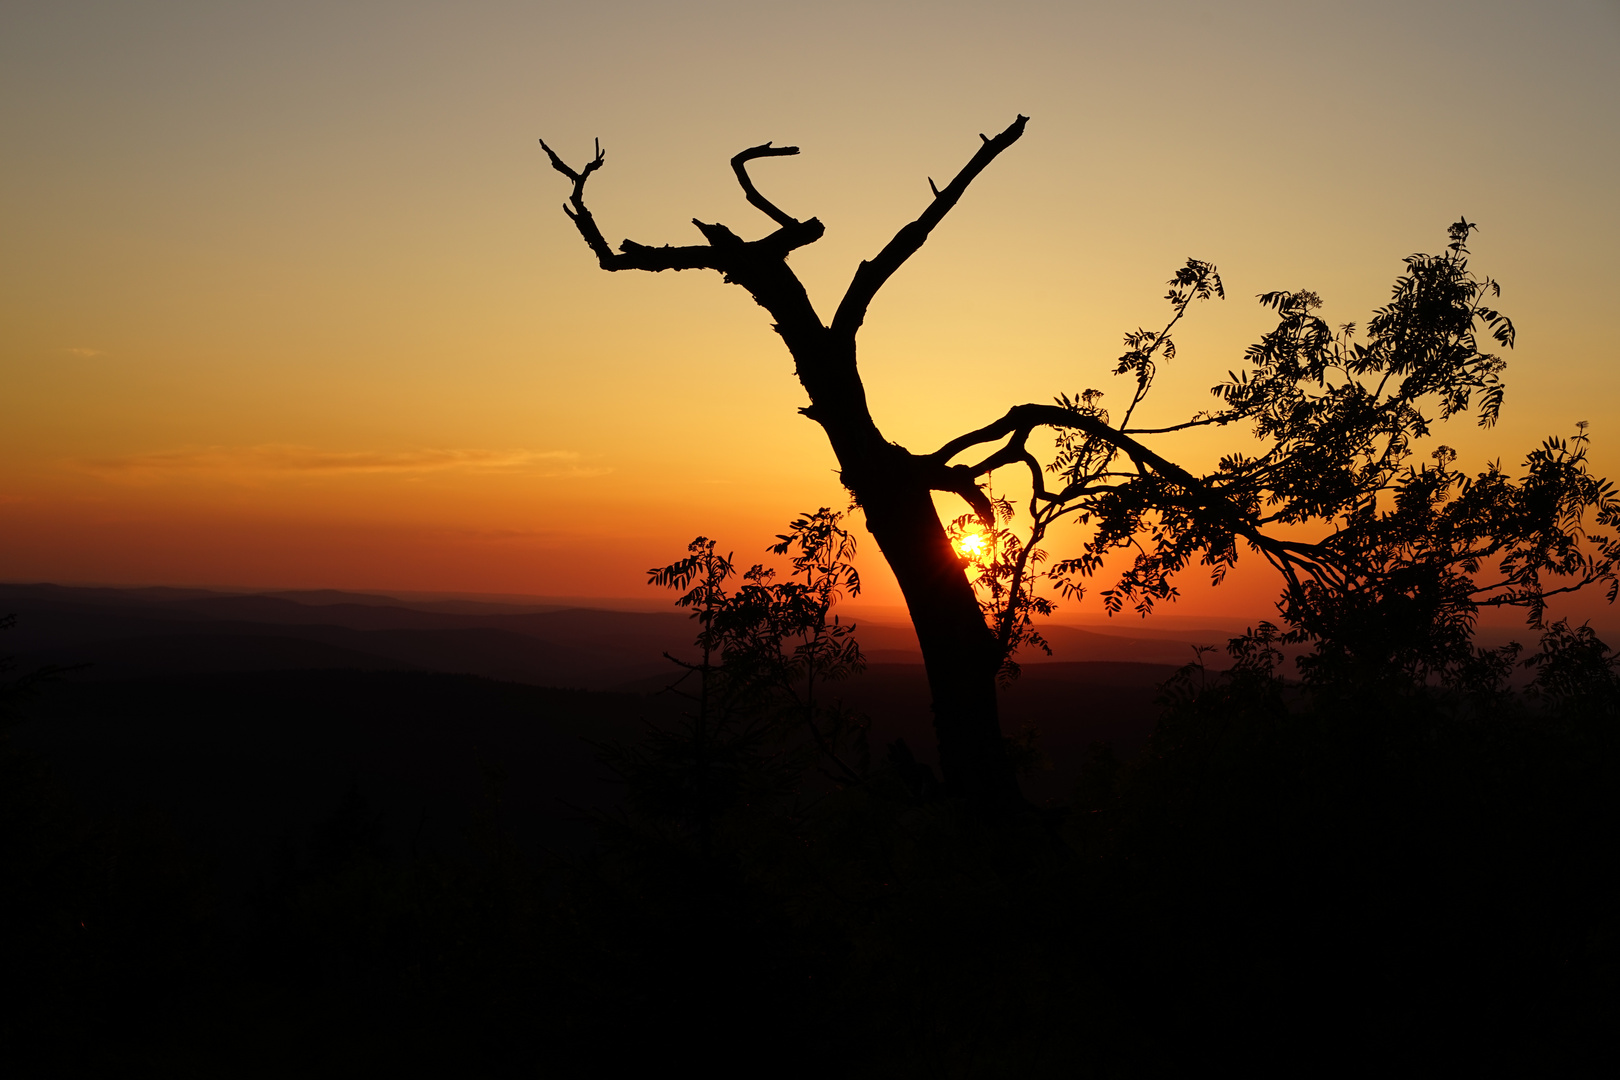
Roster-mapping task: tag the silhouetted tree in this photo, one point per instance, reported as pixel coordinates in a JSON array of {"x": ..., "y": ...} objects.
[
  {"x": 759, "y": 716},
  {"x": 1394, "y": 576}
]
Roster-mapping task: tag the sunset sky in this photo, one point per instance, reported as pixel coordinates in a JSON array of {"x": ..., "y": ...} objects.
[{"x": 289, "y": 300}]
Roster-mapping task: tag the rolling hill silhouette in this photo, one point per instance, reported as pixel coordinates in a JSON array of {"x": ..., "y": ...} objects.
[
  {"x": 328, "y": 672},
  {"x": 124, "y": 632}
]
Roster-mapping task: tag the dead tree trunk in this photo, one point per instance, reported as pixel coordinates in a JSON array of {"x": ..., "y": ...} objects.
[{"x": 892, "y": 485}]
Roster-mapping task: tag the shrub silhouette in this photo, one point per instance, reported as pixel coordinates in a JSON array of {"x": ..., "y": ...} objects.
[{"x": 759, "y": 716}]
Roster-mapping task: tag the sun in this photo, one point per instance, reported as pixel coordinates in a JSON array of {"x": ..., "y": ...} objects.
[{"x": 973, "y": 546}]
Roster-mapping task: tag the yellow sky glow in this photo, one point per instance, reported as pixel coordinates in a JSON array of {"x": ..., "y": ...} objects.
[{"x": 289, "y": 299}]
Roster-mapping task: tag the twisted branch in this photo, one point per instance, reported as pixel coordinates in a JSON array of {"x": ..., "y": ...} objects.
[
  {"x": 959, "y": 480},
  {"x": 739, "y": 165},
  {"x": 1021, "y": 420},
  {"x": 725, "y": 250}
]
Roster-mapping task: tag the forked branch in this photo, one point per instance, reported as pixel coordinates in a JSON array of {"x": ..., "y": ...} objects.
[
  {"x": 579, "y": 214},
  {"x": 580, "y": 177},
  {"x": 959, "y": 480},
  {"x": 1021, "y": 420},
  {"x": 725, "y": 251}
]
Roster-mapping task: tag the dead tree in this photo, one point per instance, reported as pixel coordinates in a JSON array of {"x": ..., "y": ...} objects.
[
  {"x": 1340, "y": 418},
  {"x": 892, "y": 485}
]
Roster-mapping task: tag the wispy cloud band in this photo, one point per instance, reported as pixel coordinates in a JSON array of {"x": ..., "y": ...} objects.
[{"x": 273, "y": 459}]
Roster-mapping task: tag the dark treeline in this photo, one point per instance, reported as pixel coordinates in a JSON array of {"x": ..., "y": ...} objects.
[{"x": 1293, "y": 876}]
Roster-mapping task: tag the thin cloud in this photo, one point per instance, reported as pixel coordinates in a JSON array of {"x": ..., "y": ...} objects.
[{"x": 302, "y": 460}]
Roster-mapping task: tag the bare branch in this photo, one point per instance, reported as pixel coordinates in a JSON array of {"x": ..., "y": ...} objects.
[
  {"x": 1088, "y": 486},
  {"x": 581, "y": 217},
  {"x": 789, "y": 237},
  {"x": 870, "y": 276},
  {"x": 634, "y": 256},
  {"x": 739, "y": 165},
  {"x": 959, "y": 480},
  {"x": 578, "y": 178},
  {"x": 1519, "y": 600},
  {"x": 1009, "y": 453},
  {"x": 1022, "y": 418},
  {"x": 1202, "y": 421},
  {"x": 990, "y": 432},
  {"x": 719, "y": 236},
  {"x": 725, "y": 250},
  {"x": 1012, "y": 453}
]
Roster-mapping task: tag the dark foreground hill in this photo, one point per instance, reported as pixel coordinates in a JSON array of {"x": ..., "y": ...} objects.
[
  {"x": 168, "y": 653},
  {"x": 242, "y": 761},
  {"x": 217, "y": 839},
  {"x": 360, "y": 865},
  {"x": 137, "y": 632},
  {"x": 333, "y": 873}
]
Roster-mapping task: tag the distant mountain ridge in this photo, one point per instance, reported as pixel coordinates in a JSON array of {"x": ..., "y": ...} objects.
[
  {"x": 163, "y": 631},
  {"x": 123, "y": 633},
  {"x": 144, "y": 645}
]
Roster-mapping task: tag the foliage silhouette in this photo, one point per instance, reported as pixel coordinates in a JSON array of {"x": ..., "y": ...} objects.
[
  {"x": 1338, "y": 421},
  {"x": 759, "y": 717},
  {"x": 1409, "y": 860}
]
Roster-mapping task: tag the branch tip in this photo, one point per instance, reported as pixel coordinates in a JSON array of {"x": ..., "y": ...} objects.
[{"x": 871, "y": 275}]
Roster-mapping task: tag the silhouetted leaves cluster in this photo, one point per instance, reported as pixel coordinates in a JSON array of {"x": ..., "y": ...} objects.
[
  {"x": 759, "y": 716},
  {"x": 1412, "y": 548}
]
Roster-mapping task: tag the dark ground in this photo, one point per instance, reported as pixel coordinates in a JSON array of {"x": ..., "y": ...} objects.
[
  {"x": 266, "y": 762},
  {"x": 240, "y": 762},
  {"x": 341, "y": 862},
  {"x": 254, "y": 714}
]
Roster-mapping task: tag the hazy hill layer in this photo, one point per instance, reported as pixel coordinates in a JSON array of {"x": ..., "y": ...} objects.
[
  {"x": 126, "y": 632},
  {"x": 256, "y": 659}
]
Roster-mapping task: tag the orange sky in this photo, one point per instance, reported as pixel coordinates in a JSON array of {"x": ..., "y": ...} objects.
[{"x": 288, "y": 298}]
